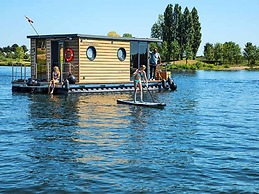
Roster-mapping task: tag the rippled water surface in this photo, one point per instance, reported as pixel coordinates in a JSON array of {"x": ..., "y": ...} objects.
[{"x": 204, "y": 141}]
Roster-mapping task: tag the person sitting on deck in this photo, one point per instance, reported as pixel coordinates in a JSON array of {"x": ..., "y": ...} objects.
[
  {"x": 55, "y": 79},
  {"x": 139, "y": 75}
]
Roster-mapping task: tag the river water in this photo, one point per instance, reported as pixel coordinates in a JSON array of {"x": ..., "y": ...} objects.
[{"x": 204, "y": 141}]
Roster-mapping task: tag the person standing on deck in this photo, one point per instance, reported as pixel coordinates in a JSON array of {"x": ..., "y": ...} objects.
[
  {"x": 55, "y": 79},
  {"x": 139, "y": 75},
  {"x": 154, "y": 59}
]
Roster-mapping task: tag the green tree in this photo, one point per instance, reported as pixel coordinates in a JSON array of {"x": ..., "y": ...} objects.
[
  {"x": 179, "y": 29},
  {"x": 25, "y": 49},
  {"x": 175, "y": 50},
  {"x": 10, "y": 55},
  {"x": 188, "y": 52},
  {"x": 257, "y": 53},
  {"x": 208, "y": 52},
  {"x": 13, "y": 47},
  {"x": 153, "y": 45},
  {"x": 19, "y": 53},
  {"x": 7, "y": 49},
  {"x": 237, "y": 53},
  {"x": 250, "y": 53},
  {"x": 188, "y": 32},
  {"x": 227, "y": 53},
  {"x": 184, "y": 28},
  {"x": 113, "y": 34},
  {"x": 156, "y": 30},
  {"x": 26, "y": 56},
  {"x": 2, "y": 56},
  {"x": 176, "y": 21},
  {"x": 128, "y": 35},
  {"x": 197, "y": 32},
  {"x": 168, "y": 29},
  {"x": 218, "y": 52},
  {"x": 231, "y": 52},
  {"x": 163, "y": 51}
]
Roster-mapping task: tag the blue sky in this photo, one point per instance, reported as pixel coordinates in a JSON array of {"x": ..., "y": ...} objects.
[{"x": 221, "y": 20}]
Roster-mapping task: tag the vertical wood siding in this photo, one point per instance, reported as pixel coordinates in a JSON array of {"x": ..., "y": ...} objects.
[
  {"x": 48, "y": 60},
  {"x": 33, "y": 58}
]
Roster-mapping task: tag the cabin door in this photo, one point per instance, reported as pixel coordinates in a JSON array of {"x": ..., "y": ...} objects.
[{"x": 57, "y": 55}]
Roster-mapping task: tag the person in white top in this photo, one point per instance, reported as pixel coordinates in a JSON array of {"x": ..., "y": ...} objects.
[{"x": 154, "y": 61}]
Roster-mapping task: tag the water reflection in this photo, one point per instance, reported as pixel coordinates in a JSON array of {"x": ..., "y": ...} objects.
[
  {"x": 84, "y": 110},
  {"x": 100, "y": 111}
]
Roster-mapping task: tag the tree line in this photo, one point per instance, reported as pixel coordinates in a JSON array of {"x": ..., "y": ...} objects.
[
  {"x": 180, "y": 32},
  {"x": 14, "y": 52},
  {"x": 230, "y": 53}
]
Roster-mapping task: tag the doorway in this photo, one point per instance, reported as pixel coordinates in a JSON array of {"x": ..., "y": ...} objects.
[
  {"x": 57, "y": 56},
  {"x": 138, "y": 56}
]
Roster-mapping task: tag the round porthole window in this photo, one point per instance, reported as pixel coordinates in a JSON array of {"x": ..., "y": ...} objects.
[
  {"x": 121, "y": 54},
  {"x": 91, "y": 53}
]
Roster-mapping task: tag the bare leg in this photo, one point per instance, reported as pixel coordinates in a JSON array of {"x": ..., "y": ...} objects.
[
  {"x": 135, "y": 91},
  {"x": 141, "y": 92},
  {"x": 150, "y": 74},
  {"x": 53, "y": 86},
  {"x": 50, "y": 83},
  {"x": 135, "y": 95},
  {"x": 154, "y": 73}
]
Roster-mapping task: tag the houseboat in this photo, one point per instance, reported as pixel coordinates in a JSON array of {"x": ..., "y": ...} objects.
[{"x": 88, "y": 64}]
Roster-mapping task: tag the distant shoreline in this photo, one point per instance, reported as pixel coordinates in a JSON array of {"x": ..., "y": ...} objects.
[
  {"x": 231, "y": 68},
  {"x": 237, "y": 68}
]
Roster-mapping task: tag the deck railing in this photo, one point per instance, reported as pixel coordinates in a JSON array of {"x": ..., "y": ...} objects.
[{"x": 19, "y": 72}]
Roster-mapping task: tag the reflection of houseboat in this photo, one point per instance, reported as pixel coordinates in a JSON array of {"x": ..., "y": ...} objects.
[{"x": 88, "y": 63}]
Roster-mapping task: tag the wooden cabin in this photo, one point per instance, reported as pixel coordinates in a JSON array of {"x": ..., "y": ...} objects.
[
  {"x": 97, "y": 63},
  {"x": 90, "y": 58}
]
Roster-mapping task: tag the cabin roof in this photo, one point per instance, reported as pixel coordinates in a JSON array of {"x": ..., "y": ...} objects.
[{"x": 71, "y": 36}]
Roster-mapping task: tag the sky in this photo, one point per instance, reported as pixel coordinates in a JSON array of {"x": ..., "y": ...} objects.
[{"x": 221, "y": 20}]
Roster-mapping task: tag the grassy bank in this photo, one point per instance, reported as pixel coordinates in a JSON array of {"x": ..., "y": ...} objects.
[
  {"x": 10, "y": 62},
  {"x": 199, "y": 65}
]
